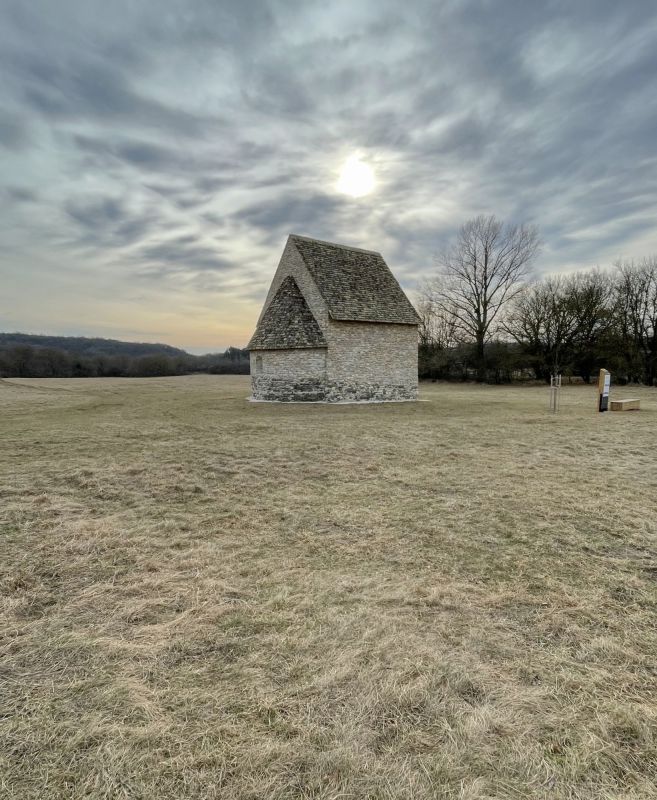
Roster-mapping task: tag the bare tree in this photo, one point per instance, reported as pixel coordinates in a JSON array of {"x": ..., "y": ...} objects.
[
  {"x": 636, "y": 313},
  {"x": 542, "y": 320},
  {"x": 591, "y": 300},
  {"x": 438, "y": 336},
  {"x": 481, "y": 272},
  {"x": 560, "y": 319},
  {"x": 438, "y": 325}
]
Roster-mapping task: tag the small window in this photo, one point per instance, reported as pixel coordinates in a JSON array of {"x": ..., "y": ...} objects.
[{"x": 258, "y": 365}]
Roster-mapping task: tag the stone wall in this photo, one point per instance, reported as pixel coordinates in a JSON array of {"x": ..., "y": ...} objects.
[
  {"x": 360, "y": 392},
  {"x": 286, "y": 375},
  {"x": 282, "y": 390},
  {"x": 289, "y": 364},
  {"x": 267, "y": 387},
  {"x": 364, "y": 362},
  {"x": 373, "y": 354}
]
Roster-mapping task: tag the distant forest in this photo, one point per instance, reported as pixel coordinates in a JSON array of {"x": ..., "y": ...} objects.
[
  {"x": 571, "y": 324},
  {"x": 28, "y": 356}
]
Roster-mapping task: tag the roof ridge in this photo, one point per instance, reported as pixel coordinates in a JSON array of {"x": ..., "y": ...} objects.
[{"x": 334, "y": 244}]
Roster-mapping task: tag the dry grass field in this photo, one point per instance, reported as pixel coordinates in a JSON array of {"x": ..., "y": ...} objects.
[{"x": 207, "y": 598}]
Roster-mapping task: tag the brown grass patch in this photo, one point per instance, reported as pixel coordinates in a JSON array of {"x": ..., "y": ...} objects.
[{"x": 206, "y": 598}]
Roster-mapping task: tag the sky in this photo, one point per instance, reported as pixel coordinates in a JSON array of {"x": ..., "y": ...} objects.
[{"x": 155, "y": 155}]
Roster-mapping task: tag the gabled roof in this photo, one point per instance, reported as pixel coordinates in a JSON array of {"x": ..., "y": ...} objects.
[
  {"x": 356, "y": 285},
  {"x": 287, "y": 322}
]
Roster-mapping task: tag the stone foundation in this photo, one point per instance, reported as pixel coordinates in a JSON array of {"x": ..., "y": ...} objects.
[{"x": 271, "y": 389}]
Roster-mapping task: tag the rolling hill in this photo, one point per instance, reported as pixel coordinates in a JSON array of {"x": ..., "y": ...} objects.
[{"x": 84, "y": 346}]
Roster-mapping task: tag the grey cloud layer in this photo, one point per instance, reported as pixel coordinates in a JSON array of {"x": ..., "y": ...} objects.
[{"x": 182, "y": 142}]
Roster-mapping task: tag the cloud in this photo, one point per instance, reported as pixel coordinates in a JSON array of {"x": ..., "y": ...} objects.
[
  {"x": 19, "y": 194},
  {"x": 291, "y": 212},
  {"x": 181, "y": 143},
  {"x": 107, "y": 222},
  {"x": 14, "y": 132},
  {"x": 183, "y": 254},
  {"x": 87, "y": 90}
]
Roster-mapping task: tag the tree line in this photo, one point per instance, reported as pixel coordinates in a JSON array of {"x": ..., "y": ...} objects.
[
  {"x": 38, "y": 361},
  {"x": 483, "y": 317}
]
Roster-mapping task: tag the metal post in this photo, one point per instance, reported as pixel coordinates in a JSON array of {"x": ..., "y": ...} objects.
[{"x": 555, "y": 386}]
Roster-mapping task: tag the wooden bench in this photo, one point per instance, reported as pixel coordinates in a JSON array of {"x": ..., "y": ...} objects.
[{"x": 629, "y": 404}]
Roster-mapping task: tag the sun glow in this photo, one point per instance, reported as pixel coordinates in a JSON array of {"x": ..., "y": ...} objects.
[{"x": 356, "y": 178}]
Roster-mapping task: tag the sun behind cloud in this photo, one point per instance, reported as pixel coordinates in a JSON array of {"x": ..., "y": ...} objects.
[{"x": 356, "y": 178}]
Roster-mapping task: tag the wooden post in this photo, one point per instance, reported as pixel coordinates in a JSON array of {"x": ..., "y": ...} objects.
[{"x": 604, "y": 383}]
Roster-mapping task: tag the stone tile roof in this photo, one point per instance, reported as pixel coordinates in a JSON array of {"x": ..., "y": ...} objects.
[
  {"x": 287, "y": 322},
  {"x": 357, "y": 285}
]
